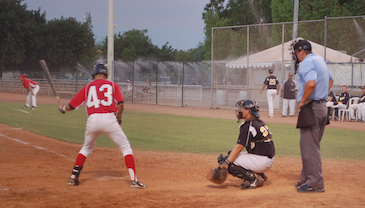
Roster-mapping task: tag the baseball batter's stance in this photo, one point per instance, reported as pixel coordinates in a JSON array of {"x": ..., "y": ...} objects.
[
  {"x": 257, "y": 138},
  {"x": 32, "y": 89},
  {"x": 104, "y": 106}
]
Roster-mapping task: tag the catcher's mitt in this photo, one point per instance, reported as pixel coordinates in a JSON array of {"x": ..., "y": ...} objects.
[{"x": 218, "y": 175}]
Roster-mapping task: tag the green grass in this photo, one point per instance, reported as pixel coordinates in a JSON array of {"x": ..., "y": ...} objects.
[{"x": 172, "y": 133}]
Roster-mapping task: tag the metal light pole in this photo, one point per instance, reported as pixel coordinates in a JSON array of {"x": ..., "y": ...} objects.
[
  {"x": 110, "y": 57},
  {"x": 295, "y": 27}
]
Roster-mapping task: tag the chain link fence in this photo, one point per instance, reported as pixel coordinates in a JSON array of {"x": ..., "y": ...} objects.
[
  {"x": 240, "y": 59},
  {"x": 242, "y": 55}
]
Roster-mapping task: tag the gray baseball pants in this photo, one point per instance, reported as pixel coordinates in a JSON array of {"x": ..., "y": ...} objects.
[{"x": 310, "y": 139}]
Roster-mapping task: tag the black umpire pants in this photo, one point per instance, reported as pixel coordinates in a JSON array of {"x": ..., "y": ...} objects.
[{"x": 310, "y": 139}]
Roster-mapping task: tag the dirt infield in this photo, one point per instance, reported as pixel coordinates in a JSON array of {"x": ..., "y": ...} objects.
[{"x": 34, "y": 170}]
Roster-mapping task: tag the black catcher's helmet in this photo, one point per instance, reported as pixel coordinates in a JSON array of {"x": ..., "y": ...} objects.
[
  {"x": 99, "y": 69},
  {"x": 247, "y": 104}
]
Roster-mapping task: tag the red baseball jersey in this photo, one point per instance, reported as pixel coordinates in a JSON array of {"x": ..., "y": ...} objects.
[
  {"x": 27, "y": 82},
  {"x": 101, "y": 96}
]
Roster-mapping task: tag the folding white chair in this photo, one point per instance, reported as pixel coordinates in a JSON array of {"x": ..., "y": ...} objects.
[{"x": 343, "y": 112}]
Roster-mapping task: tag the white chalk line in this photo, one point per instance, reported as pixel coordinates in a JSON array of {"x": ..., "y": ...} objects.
[
  {"x": 21, "y": 110},
  {"x": 38, "y": 147}
]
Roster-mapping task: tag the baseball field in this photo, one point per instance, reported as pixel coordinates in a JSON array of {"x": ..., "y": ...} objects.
[{"x": 174, "y": 149}]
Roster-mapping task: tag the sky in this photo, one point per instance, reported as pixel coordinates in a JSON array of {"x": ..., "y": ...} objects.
[{"x": 178, "y": 22}]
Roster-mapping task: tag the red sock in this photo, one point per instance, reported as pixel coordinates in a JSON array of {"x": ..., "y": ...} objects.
[
  {"x": 80, "y": 160},
  {"x": 129, "y": 162}
]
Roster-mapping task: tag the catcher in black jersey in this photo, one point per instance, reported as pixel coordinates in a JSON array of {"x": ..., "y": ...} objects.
[{"x": 257, "y": 138}]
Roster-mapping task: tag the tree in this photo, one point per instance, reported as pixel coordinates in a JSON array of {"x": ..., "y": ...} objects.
[
  {"x": 131, "y": 45},
  {"x": 20, "y": 34},
  {"x": 166, "y": 53},
  {"x": 341, "y": 34},
  {"x": 26, "y": 37},
  {"x": 68, "y": 42},
  {"x": 211, "y": 19},
  {"x": 235, "y": 12}
]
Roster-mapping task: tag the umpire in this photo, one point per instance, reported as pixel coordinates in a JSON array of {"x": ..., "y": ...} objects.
[{"x": 314, "y": 81}]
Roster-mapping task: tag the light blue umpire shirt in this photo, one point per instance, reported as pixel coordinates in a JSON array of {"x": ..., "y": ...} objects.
[{"x": 313, "y": 67}]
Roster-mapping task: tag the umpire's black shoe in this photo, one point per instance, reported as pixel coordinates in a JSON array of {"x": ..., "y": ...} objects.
[{"x": 307, "y": 189}]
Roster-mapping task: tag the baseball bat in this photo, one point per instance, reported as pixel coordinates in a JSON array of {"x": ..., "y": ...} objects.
[{"x": 48, "y": 76}]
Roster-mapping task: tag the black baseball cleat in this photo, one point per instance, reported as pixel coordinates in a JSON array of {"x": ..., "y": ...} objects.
[
  {"x": 137, "y": 184},
  {"x": 245, "y": 185},
  {"x": 307, "y": 189},
  {"x": 263, "y": 176},
  {"x": 73, "y": 182},
  {"x": 34, "y": 108},
  {"x": 25, "y": 107},
  {"x": 257, "y": 182}
]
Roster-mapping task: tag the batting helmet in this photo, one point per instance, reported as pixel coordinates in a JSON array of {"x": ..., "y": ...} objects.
[
  {"x": 99, "y": 69},
  {"x": 249, "y": 105}
]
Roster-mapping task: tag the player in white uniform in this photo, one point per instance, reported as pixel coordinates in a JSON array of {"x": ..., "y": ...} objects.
[
  {"x": 32, "y": 89},
  {"x": 273, "y": 86},
  {"x": 104, "y": 105},
  {"x": 257, "y": 138}
]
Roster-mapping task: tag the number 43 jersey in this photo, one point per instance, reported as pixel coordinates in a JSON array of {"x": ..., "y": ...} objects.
[
  {"x": 256, "y": 137},
  {"x": 100, "y": 96}
]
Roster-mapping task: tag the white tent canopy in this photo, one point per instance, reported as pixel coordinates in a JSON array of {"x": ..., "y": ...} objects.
[{"x": 268, "y": 57}]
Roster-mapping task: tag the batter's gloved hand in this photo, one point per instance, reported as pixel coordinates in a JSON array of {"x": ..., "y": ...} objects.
[
  {"x": 62, "y": 109},
  {"x": 218, "y": 175}
]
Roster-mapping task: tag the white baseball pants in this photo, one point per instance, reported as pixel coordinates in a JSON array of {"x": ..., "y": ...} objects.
[
  {"x": 34, "y": 99},
  {"x": 363, "y": 113},
  {"x": 255, "y": 163},
  {"x": 288, "y": 103},
  {"x": 271, "y": 94},
  {"x": 356, "y": 107},
  {"x": 104, "y": 123}
]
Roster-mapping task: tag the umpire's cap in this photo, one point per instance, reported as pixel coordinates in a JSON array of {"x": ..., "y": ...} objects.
[
  {"x": 249, "y": 105},
  {"x": 99, "y": 69},
  {"x": 302, "y": 44}
]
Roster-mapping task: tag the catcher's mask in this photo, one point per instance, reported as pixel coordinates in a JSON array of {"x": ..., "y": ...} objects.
[
  {"x": 249, "y": 105},
  {"x": 99, "y": 69},
  {"x": 298, "y": 45}
]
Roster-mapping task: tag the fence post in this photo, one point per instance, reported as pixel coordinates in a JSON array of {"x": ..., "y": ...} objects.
[
  {"x": 157, "y": 83},
  {"x": 182, "y": 85},
  {"x": 133, "y": 82}
]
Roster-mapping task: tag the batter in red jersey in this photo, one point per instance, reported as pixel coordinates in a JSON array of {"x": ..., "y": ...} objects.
[
  {"x": 32, "y": 89},
  {"x": 104, "y": 105}
]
